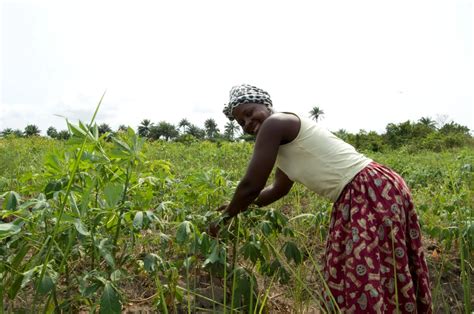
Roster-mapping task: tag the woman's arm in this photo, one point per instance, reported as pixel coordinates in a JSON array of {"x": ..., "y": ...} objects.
[
  {"x": 276, "y": 129},
  {"x": 280, "y": 187}
]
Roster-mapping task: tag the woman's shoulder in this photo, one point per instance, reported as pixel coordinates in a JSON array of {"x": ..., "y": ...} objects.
[
  {"x": 281, "y": 119},
  {"x": 284, "y": 116},
  {"x": 287, "y": 123}
]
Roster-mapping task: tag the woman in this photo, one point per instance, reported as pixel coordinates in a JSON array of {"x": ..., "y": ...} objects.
[{"x": 374, "y": 244}]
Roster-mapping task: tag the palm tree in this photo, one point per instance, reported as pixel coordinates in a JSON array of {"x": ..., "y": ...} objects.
[
  {"x": 167, "y": 130},
  {"x": 32, "y": 130},
  {"x": 52, "y": 132},
  {"x": 104, "y": 128},
  {"x": 122, "y": 128},
  {"x": 342, "y": 134},
  {"x": 211, "y": 128},
  {"x": 316, "y": 113},
  {"x": 7, "y": 132},
  {"x": 184, "y": 123},
  {"x": 428, "y": 122},
  {"x": 230, "y": 130},
  {"x": 144, "y": 128},
  {"x": 196, "y": 131},
  {"x": 63, "y": 135},
  {"x": 18, "y": 133}
]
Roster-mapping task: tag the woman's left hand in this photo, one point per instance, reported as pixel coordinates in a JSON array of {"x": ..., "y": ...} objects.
[
  {"x": 222, "y": 208},
  {"x": 215, "y": 226}
]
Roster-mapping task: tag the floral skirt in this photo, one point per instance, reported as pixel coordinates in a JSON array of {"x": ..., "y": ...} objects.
[{"x": 374, "y": 256}]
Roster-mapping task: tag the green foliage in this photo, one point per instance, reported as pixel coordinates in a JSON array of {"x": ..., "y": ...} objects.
[
  {"x": 230, "y": 130},
  {"x": 31, "y": 130},
  {"x": 316, "y": 113},
  {"x": 52, "y": 132},
  {"x": 413, "y": 136},
  {"x": 110, "y": 300},
  {"x": 212, "y": 131},
  {"x": 449, "y": 136},
  {"x": 104, "y": 128},
  {"x": 136, "y": 211},
  {"x": 163, "y": 130},
  {"x": 144, "y": 128},
  {"x": 8, "y": 229}
]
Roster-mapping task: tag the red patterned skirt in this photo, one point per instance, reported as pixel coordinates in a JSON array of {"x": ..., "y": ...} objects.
[{"x": 374, "y": 256}]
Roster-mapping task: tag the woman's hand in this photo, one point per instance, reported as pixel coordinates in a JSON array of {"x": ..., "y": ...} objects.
[
  {"x": 215, "y": 226},
  {"x": 222, "y": 208},
  {"x": 213, "y": 229}
]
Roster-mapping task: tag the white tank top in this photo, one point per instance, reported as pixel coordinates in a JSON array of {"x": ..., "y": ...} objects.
[{"x": 320, "y": 160}]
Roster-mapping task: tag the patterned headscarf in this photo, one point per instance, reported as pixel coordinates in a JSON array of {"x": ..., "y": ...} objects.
[{"x": 243, "y": 94}]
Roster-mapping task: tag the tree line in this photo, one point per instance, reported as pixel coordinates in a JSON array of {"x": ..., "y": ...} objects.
[
  {"x": 163, "y": 130},
  {"x": 425, "y": 133}
]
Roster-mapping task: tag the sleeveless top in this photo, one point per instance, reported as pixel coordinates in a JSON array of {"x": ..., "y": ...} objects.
[{"x": 320, "y": 160}]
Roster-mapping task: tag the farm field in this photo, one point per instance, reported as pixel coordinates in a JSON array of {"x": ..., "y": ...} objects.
[{"x": 90, "y": 225}]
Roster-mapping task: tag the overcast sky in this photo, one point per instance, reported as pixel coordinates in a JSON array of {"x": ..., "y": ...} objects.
[{"x": 365, "y": 63}]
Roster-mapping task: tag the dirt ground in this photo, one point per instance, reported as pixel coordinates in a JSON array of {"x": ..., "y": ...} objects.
[
  {"x": 444, "y": 274},
  {"x": 140, "y": 294},
  {"x": 444, "y": 267}
]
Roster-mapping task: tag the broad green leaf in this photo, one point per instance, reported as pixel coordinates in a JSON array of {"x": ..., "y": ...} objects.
[
  {"x": 76, "y": 130},
  {"x": 12, "y": 200},
  {"x": 46, "y": 284},
  {"x": 275, "y": 267},
  {"x": 28, "y": 275},
  {"x": 184, "y": 230},
  {"x": 90, "y": 290},
  {"x": 205, "y": 243},
  {"x": 54, "y": 186},
  {"x": 292, "y": 252},
  {"x": 8, "y": 229},
  {"x": 94, "y": 132},
  {"x": 121, "y": 145},
  {"x": 138, "y": 220},
  {"x": 113, "y": 194},
  {"x": 117, "y": 274},
  {"x": 214, "y": 257},
  {"x": 52, "y": 161},
  {"x": 110, "y": 300},
  {"x": 251, "y": 250},
  {"x": 242, "y": 290},
  {"x": 151, "y": 262},
  {"x": 81, "y": 228},
  {"x": 107, "y": 255},
  {"x": 266, "y": 228},
  {"x": 105, "y": 252}
]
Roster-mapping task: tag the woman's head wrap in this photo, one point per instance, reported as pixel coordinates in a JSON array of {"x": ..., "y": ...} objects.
[{"x": 243, "y": 94}]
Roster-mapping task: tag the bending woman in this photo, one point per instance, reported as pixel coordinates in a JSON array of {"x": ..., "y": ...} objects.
[{"x": 374, "y": 260}]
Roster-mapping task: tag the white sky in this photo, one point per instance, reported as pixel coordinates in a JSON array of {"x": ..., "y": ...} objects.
[{"x": 365, "y": 63}]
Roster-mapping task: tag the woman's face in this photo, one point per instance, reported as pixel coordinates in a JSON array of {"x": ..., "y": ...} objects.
[{"x": 251, "y": 116}]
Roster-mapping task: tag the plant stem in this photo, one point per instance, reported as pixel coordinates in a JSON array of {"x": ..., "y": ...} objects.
[
  {"x": 122, "y": 209},
  {"x": 234, "y": 261}
]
